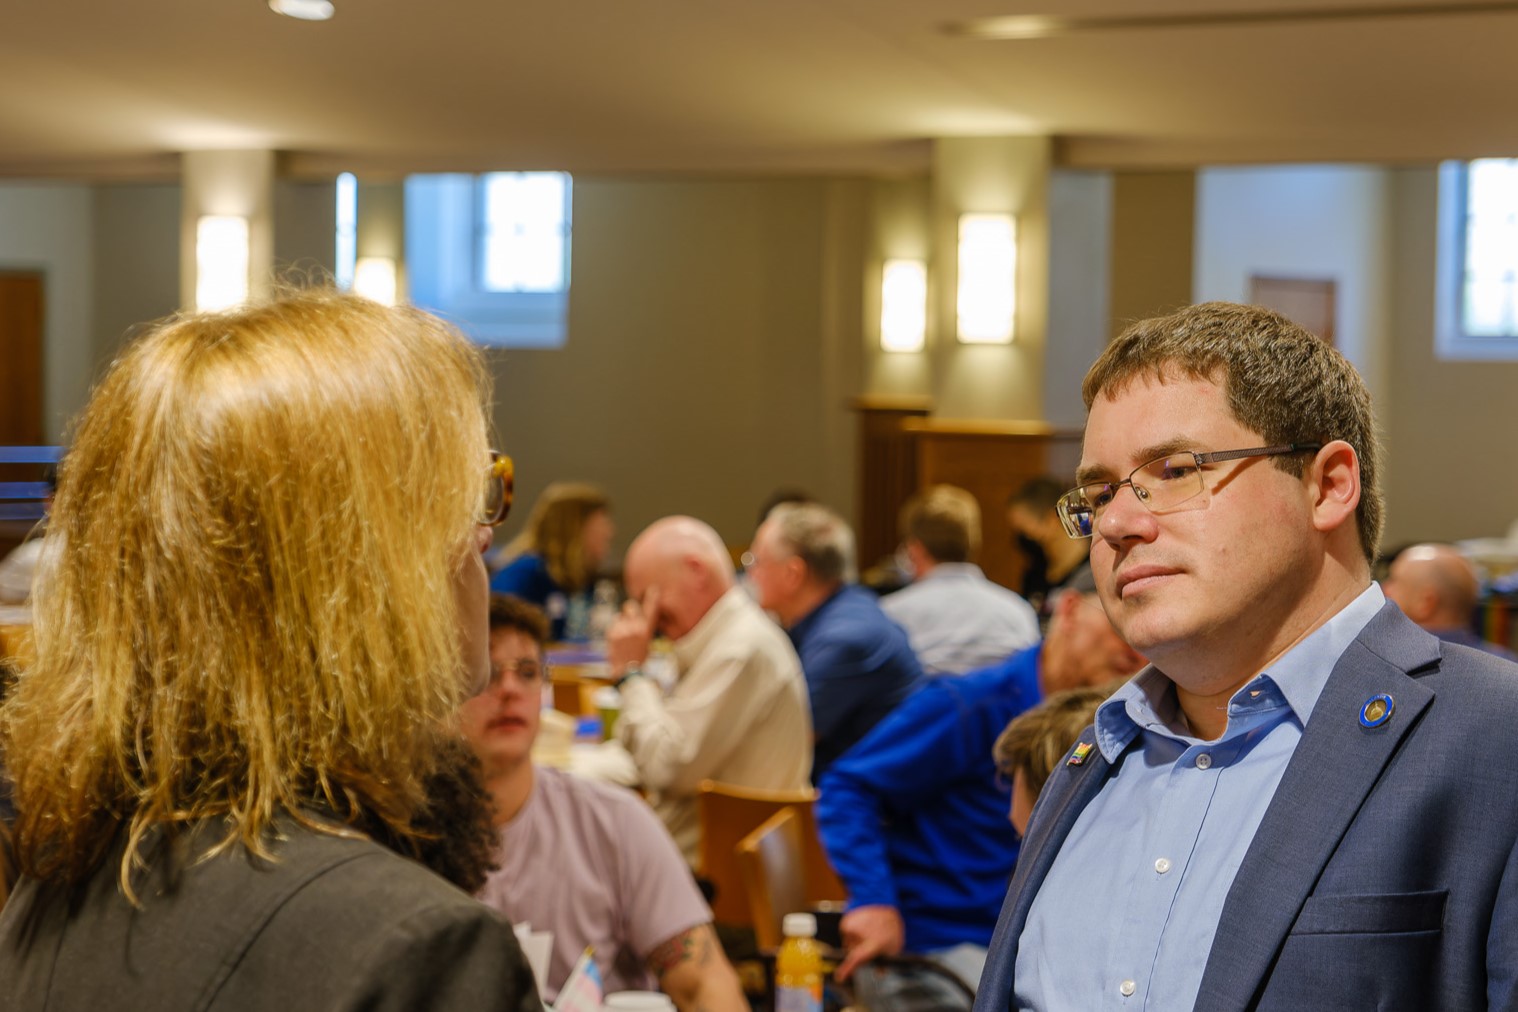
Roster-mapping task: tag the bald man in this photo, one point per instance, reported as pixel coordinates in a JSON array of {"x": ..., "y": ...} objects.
[
  {"x": 738, "y": 712},
  {"x": 1436, "y": 587}
]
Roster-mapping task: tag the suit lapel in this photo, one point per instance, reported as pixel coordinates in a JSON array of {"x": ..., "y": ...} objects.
[
  {"x": 1334, "y": 768},
  {"x": 1061, "y": 802}
]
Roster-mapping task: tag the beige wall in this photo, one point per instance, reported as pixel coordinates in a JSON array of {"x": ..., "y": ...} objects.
[
  {"x": 713, "y": 342},
  {"x": 1304, "y": 221},
  {"x": 1153, "y": 229},
  {"x": 136, "y": 261},
  {"x": 718, "y": 327},
  {"x": 1451, "y": 473}
]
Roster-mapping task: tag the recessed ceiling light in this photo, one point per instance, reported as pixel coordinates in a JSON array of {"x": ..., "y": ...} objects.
[{"x": 306, "y": 10}]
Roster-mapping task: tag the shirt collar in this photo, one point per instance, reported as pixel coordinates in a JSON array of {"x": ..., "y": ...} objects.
[
  {"x": 1299, "y": 675},
  {"x": 953, "y": 571}
]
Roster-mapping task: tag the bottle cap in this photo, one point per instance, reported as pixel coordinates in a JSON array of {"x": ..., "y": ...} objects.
[{"x": 799, "y": 926}]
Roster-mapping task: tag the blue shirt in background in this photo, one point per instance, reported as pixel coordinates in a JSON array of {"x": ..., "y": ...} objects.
[
  {"x": 914, "y": 815},
  {"x": 858, "y": 666},
  {"x": 1127, "y": 914},
  {"x": 526, "y": 577}
]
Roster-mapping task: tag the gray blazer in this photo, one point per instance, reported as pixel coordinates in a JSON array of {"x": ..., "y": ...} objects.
[
  {"x": 1384, "y": 874},
  {"x": 335, "y": 924}
]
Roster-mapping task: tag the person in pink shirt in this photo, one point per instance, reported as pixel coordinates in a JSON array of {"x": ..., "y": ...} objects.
[{"x": 587, "y": 861}]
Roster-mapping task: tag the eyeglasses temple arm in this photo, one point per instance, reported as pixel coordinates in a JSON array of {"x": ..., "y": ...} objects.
[{"x": 1259, "y": 451}]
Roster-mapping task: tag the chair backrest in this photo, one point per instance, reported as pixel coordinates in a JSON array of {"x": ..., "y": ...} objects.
[
  {"x": 727, "y": 813},
  {"x": 772, "y": 864}
]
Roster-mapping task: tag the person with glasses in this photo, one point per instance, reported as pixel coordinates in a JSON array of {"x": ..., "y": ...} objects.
[
  {"x": 1305, "y": 801},
  {"x": 237, "y": 741},
  {"x": 586, "y": 861}
]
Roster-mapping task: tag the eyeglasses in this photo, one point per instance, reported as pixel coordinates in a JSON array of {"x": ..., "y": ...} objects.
[
  {"x": 500, "y": 480},
  {"x": 1161, "y": 484},
  {"x": 528, "y": 671}
]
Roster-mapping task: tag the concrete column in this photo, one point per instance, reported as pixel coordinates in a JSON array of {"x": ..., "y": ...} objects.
[
  {"x": 228, "y": 182},
  {"x": 991, "y": 174}
]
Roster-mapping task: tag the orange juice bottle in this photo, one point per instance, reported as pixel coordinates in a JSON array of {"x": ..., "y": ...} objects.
[{"x": 798, "y": 966}]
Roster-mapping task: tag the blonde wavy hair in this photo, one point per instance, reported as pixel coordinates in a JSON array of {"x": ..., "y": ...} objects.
[
  {"x": 554, "y": 531},
  {"x": 252, "y": 610}
]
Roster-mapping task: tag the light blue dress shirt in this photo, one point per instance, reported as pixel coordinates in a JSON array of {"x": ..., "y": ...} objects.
[{"x": 1125, "y": 918}]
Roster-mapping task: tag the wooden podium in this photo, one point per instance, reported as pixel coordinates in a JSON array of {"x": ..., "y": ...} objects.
[{"x": 903, "y": 450}]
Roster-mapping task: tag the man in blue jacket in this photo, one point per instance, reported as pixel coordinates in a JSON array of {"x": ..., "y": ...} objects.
[
  {"x": 1306, "y": 801},
  {"x": 858, "y": 663},
  {"x": 914, "y": 817}
]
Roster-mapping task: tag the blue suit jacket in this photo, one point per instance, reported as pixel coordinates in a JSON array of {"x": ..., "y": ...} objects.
[{"x": 1384, "y": 874}]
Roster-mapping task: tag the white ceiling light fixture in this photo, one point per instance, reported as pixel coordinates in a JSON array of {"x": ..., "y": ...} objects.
[{"x": 305, "y": 10}]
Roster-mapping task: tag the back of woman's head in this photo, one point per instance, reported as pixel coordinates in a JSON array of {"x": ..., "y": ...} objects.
[
  {"x": 252, "y": 606},
  {"x": 555, "y": 528}
]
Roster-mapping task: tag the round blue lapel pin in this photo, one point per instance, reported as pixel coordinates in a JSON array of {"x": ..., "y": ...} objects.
[{"x": 1377, "y": 710}]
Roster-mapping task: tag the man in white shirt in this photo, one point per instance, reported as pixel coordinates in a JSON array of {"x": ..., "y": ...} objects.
[
  {"x": 956, "y": 619},
  {"x": 738, "y": 712}
]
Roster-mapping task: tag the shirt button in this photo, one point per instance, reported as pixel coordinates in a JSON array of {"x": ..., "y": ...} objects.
[
  {"x": 1162, "y": 865},
  {"x": 1126, "y": 988},
  {"x": 1204, "y": 761}
]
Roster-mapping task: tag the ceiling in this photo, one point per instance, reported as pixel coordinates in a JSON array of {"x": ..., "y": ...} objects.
[{"x": 112, "y": 89}]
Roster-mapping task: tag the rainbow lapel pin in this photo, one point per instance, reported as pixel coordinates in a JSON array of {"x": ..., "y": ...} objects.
[
  {"x": 1080, "y": 755},
  {"x": 1377, "y": 711}
]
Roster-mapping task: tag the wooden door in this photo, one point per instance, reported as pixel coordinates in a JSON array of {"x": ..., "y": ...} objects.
[
  {"x": 20, "y": 391},
  {"x": 20, "y": 359}
]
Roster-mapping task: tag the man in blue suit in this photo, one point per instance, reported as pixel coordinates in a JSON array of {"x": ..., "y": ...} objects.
[{"x": 1306, "y": 801}]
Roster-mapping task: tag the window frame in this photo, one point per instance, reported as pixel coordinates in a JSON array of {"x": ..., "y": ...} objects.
[
  {"x": 444, "y": 243},
  {"x": 1451, "y": 341}
]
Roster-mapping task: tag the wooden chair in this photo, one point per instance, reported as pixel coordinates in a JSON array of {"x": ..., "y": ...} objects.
[
  {"x": 571, "y": 694},
  {"x": 771, "y": 862},
  {"x": 727, "y": 814}
]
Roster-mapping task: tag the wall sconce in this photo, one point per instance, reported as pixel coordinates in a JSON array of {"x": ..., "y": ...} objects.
[
  {"x": 374, "y": 278},
  {"x": 221, "y": 261},
  {"x": 987, "y": 278},
  {"x": 903, "y": 305}
]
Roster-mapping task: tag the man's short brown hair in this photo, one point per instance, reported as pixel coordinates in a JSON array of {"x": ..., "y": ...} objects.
[
  {"x": 513, "y": 613},
  {"x": 945, "y": 519},
  {"x": 1037, "y": 739},
  {"x": 1280, "y": 380}
]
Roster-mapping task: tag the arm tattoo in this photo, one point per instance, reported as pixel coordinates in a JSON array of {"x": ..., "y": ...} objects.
[{"x": 693, "y": 946}]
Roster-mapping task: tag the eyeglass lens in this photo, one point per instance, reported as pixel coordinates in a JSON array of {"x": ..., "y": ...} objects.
[{"x": 1160, "y": 484}]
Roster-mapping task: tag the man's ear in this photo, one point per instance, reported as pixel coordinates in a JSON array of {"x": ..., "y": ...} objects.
[{"x": 1335, "y": 485}]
